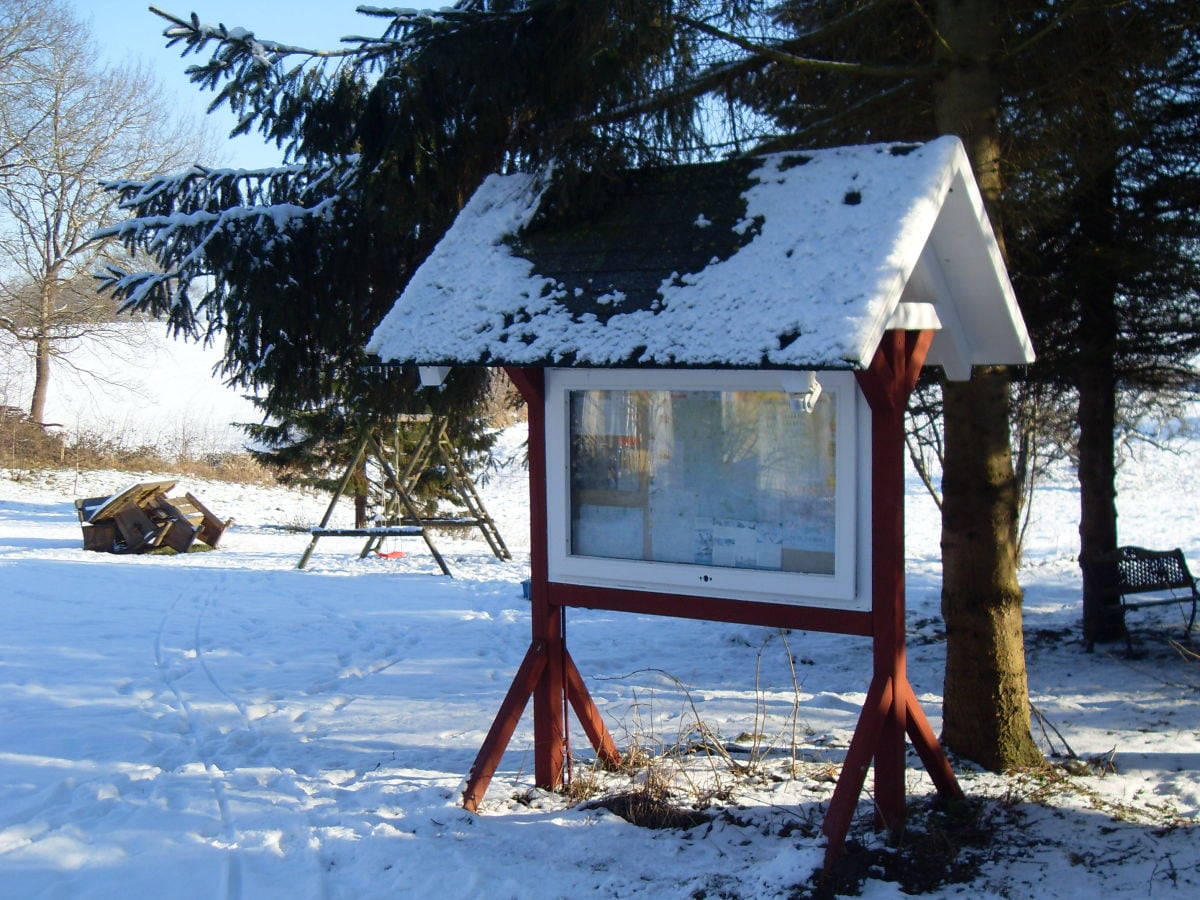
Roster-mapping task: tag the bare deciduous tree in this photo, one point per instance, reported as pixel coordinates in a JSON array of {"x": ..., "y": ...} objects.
[{"x": 67, "y": 124}]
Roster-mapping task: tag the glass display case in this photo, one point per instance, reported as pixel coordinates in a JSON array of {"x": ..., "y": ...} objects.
[{"x": 733, "y": 484}]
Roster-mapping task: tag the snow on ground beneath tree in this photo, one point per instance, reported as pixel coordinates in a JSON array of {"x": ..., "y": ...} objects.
[{"x": 223, "y": 724}]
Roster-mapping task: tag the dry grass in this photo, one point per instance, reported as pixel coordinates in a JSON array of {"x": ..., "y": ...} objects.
[
  {"x": 676, "y": 781},
  {"x": 27, "y": 446},
  {"x": 652, "y": 803}
]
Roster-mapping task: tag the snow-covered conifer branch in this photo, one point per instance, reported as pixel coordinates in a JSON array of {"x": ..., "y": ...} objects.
[
  {"x": 195, "y": 34},
  {"x": 190, "y": 223}
]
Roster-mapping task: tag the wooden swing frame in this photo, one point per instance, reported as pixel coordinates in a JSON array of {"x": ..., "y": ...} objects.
[{"x": 433, "y": 445}]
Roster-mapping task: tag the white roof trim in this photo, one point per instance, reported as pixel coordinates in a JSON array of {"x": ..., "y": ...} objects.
[
  {"x": 950, "y": 349},
  {"x": 914, "y": 316}
]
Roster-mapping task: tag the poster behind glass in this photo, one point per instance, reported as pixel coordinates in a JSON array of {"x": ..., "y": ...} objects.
[{"x": 738, "y": 479}]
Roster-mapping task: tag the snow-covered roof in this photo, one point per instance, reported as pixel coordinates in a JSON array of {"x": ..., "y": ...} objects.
[{"x": 796, "y": 260}]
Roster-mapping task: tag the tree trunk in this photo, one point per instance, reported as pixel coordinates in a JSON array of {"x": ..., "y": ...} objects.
[
  {"x": 41, "y": 378},
  {"x": 42, "y": 347},
  {"x": 1097, "y": 283},
  {"x": 1103, "y": 618},
  {"x": 360, "y": 485},
  {"x": 986, "y": 708},
  {"x": 985, "y": 715}
]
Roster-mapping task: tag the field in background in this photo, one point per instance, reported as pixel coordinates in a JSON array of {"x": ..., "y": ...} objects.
[{"x": 125, "y": 403}]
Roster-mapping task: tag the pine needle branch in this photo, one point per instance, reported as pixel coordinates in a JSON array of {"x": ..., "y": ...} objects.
[
  {"x": 774, "y": 53},
  {"x": 195, "y": 35}
]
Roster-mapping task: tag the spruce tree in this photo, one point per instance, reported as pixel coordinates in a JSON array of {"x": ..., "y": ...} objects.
[
  {"x": 1096, "y": 113},
  {"x": 384, "y": 140},
  {"x": 1104, "y": 129}
]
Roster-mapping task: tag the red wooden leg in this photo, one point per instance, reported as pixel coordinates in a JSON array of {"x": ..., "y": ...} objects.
[
  {"x": 889, "y": 763},
  {"x": 549, "y": 705},
  {"x": 505, "y": 723},
  {"x": 928, "y": 748},
  {"x": 854, "y": 770},
  {"x": 589, "y": 717}
]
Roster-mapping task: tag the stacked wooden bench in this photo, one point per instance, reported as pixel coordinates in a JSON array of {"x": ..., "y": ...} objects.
[{"x": 142, "y": 517}]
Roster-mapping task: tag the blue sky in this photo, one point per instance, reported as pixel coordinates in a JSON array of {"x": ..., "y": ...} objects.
[{"x": 126, "y": 29}]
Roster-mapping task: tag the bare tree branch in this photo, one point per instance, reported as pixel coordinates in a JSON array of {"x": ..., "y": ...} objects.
[{"x": 68, "y": 125}]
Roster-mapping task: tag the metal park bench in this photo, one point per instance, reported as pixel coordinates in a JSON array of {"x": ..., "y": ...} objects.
[{"x": 1162, "y": 573}]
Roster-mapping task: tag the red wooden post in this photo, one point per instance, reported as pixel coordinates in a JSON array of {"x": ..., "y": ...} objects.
[
  {"x": 547, "y": 674},
  {"x": 891, "y": 709},
  {"x": 549, "y": 696},
  {"x": 890, "y": 371},
  {"x": 549, "y": 706}
]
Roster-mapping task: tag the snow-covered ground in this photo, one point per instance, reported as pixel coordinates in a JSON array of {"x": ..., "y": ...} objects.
[{"x": 224, "y": 725}]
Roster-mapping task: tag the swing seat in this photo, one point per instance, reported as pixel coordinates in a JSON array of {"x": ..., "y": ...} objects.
[
  {"x": 380, "y": 531},
  {"x": 399, "y": 510}
]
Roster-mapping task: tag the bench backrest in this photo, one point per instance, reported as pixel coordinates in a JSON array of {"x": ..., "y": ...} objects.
[{"x": 1152, "y": 570}]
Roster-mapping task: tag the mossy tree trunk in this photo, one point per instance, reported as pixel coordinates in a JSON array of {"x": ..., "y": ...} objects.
[
  {"x": 986, "y": 705},
  {"x": 986, "y": 708}
]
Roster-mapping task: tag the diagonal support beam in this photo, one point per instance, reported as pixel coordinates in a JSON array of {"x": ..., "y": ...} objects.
[
  {"x": 501, "y": 732},
  {"x": 589, "y": 717},
  {"x": 926, "y": 744},
  {"x": 530, "y": 676},
  {"x": 863, "y": 744}
]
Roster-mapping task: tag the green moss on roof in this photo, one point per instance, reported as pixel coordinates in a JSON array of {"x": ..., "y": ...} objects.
[{"x": 610, "y": 242}]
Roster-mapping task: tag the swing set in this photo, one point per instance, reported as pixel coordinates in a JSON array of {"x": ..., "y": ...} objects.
[{"x": 398, "y": 515}]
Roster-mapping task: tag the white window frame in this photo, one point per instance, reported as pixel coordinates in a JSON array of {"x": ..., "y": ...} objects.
[{"x": 849, "y": 585}]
